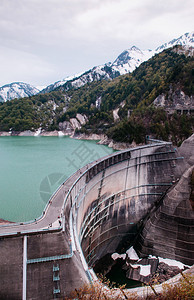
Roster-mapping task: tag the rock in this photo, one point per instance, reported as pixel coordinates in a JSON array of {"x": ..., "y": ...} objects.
[
  {"x": 49, "y": 133},
  {"x": 116, "y": 256},
  {"x": 93, "y": 136},
  {"x": 115, "y": 114},
  {"x": 175, "y": 100},
  {"x": 66, "y": 127},
  {"x": 133, "y": 273},
  {"x": 159, "y": 272},
  {"x": 75, "y": 123},
  {"x": 4, "y": 133},
  {"x": 104, "y": 140},
  {"x": 186, "y": 150},
  {"x": 26, "y": 133},
  {"x": 143, "y": 270},
  {"x": 164, "y": 272},
  {"x": 132, "y": 255},
  {"x": 82, "y": 119}
]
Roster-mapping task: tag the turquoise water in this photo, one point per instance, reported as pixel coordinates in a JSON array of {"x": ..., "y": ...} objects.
[{"x": 31, "y": 169}]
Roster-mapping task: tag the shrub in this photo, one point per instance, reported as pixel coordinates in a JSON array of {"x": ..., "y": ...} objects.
[{"x": 183, "y": 290}]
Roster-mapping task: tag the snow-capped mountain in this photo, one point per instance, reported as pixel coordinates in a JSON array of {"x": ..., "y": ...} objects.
[
  {"x": 16, "y": 90},
  {"x": 53, "y": 86},
  {"x": 186, "y": 39},
  {"x": 126, "y": 62},
  {"x": 130, "y": 59},
  {"x": 97, "y": 73}
]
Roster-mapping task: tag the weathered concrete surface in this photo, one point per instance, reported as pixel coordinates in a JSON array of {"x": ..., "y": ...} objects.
[
  {"x": 40, "y": 278},
  {"x": 170, "y": 230},
  {"x": 40, "y": 275},
  {"x": 187, "y": 150},
  {"x": 11, "y": 265},
  {"x": 117, "y": 199},
  {"x": 98, "y": 206}
]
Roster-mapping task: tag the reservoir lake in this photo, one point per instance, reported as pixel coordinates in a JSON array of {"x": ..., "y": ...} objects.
[{"x": 32, "y": 168}]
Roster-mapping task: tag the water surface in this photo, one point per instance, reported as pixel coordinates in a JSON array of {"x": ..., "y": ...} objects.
[{"x": 31, "y": 169}]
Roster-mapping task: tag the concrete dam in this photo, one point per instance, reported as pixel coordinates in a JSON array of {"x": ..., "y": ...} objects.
[{"x": 107, "y": 202}]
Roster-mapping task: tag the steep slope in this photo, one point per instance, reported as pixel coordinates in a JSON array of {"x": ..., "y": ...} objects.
[
  {"x": 121, "y": 108},
  {"x": 130, "y": 59},
  {"x": 16, "y": 90},
  {"x": 129, "y": 96},
  {"x": 95, "y": 74},
  {"x": 173, "y": 219},
  {"x": 186, "y": 39},
  {"x": 126, "y": 62}
]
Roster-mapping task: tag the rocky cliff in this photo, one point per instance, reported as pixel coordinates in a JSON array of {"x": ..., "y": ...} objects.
[
  {"x": 169, "y": 232},
  {"x": 175, "y": 101}
]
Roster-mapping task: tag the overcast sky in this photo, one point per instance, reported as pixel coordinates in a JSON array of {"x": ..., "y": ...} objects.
[{"x": 42, "y": 41}]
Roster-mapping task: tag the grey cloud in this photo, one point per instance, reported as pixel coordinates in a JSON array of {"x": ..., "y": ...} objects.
[{"x": 70, "y": 36}]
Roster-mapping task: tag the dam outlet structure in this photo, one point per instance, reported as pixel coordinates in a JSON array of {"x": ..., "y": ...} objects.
[{"x": 99, "y": 208}]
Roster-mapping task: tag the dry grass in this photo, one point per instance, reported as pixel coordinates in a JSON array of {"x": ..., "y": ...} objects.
[{"x": 184, "y": 290}]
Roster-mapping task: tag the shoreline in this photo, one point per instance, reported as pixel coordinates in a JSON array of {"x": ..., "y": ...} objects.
[
  {"x": 101, "y": 138},
  {"x": 4, "y": 222}
]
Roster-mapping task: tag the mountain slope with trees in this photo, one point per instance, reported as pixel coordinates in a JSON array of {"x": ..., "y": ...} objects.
[
  {"x": 132, "y": 95},
  {"x": 136, "y": 92},
  {"x": 126, "y": 62}
]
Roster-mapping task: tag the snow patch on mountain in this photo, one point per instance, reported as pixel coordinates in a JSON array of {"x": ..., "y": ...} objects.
[
  {"x": 126, "y": 62},
  {"x": 95, "y": 74},
  {"x": 55, "y": 85},
  {"x": 17, "y": 90},
  {"x": 130, "y": 59},
  {"x": 186, "y": 39},
  {"x": 41, "y": 87}
]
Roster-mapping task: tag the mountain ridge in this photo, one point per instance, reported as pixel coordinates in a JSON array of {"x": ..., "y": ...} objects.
[
  {"x": 123, "y": 108},
  {"x": 17, "y": 90},
  {"x": 126, "y": 62}
]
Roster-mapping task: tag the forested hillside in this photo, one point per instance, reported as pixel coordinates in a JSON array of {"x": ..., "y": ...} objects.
[
  {"x": 136, "y": 92},
  {"x": 132, "y": 95}
]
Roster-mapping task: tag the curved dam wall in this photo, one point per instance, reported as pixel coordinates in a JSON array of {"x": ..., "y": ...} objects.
[
  {"x": 102, "y": 205},
  {"x": 114, "y": 196}
]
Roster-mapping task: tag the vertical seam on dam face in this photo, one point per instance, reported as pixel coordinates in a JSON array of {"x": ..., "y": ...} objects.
[
  {"x": 24, "y": 267},
  {"x": 100, "y": 205},
  {"x": 126, "y": 175}
]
